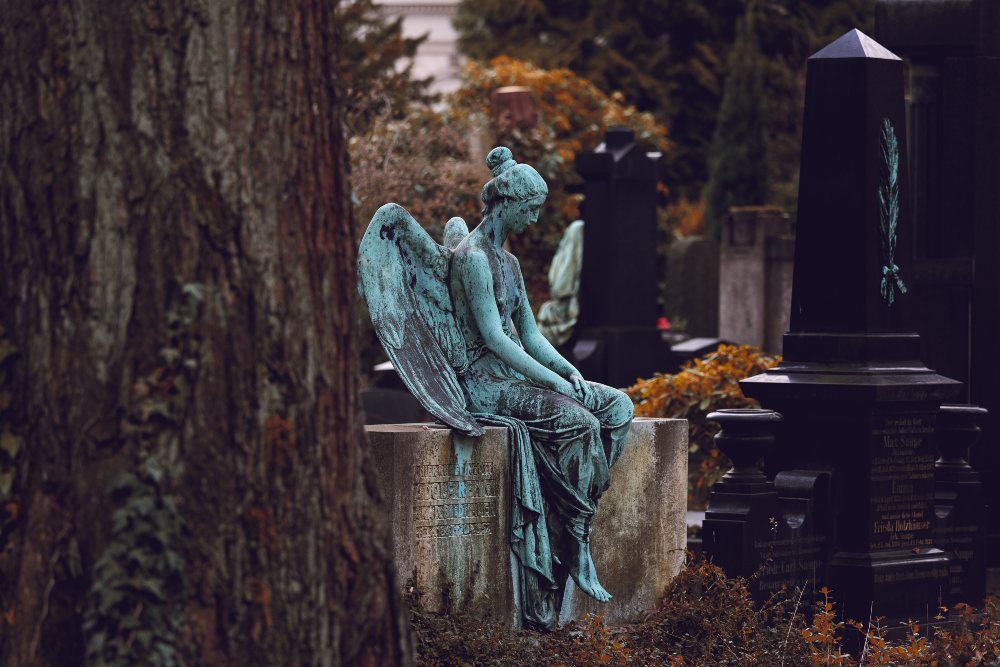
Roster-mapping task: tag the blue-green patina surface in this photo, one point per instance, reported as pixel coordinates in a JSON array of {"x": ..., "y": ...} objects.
[
  {"x": 888, "y": 209},
  {"x": 456, "y": 323}
]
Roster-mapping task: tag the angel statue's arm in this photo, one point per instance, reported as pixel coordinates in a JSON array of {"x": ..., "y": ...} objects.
[
  {"x": 538, "y": 346},
  {"x": 477, "y": 283}
]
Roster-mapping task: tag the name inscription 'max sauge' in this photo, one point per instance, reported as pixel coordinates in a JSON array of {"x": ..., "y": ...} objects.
[{"x": 902, "y": 482}]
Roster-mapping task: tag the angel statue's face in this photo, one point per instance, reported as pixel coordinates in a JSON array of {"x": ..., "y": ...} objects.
[{"x": 516, "y": 215}]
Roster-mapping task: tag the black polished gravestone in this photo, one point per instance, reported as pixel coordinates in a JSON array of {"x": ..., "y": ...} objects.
[
  {"x": 856, "y": 399},
  {"x": 619, "y": 305},
  {"x": 960, "y": 504}
]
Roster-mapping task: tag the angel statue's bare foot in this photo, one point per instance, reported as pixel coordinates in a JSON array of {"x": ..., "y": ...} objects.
[{"x": 581, "y": 568}]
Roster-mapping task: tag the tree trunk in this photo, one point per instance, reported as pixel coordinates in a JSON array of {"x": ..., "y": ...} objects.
[{"x": 182, "y": 476}]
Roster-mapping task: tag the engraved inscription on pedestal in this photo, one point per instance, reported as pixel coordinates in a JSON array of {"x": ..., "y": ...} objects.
[
  {"x": 961, "y": 542},
  {"x": 455, "y": 500},
  {"x": 791, "y": 562},
  {"x": 902, "y": 481}
]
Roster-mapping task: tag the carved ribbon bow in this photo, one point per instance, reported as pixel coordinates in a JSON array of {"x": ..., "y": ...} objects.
[{"x": 891, "y": 281}]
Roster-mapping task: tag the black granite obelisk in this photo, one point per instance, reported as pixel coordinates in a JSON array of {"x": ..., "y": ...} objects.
[{"x": 856, "y": 398}]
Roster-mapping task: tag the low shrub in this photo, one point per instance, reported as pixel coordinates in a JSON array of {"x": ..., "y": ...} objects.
[{"x": 702, "y": 385}]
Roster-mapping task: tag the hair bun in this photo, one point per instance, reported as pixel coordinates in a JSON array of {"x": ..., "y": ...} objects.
[{"x": 500, "y": 160}]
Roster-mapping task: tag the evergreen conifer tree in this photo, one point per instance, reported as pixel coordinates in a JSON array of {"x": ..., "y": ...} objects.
[
  {"x": 664, "y": 56},
  {"x": 667, "y": 57},
  {"x": 738, "y": 167},
  {"x": 376, "y": 66}
]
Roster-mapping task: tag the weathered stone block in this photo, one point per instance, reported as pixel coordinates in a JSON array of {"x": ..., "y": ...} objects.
[
  {"x": 449, "y": 510},
  {"x": 755, "y": 276},
  {"x": 449, "y": 501},
  {"x": 640, "y": 532}
]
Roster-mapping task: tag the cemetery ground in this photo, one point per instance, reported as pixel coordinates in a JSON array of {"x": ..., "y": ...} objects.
[{"x": 707, "y": 619}]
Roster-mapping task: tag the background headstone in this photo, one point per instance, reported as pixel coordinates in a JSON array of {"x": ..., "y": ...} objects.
[
  {"x": 755, "y": 276},
  {"x": 513, "y": 107},
  {"x": 691, "y": 290},
  {"x": 391, "y": 406},
  {"x": 960, "y": 508},
  {"x": 619, "y": 304}
]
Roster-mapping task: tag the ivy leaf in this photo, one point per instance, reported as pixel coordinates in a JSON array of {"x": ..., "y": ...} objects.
[
  {"x": 10, "y": 443},
  {"x": 194, "y": 290},
  {"x": 6, "y": 483},
  {"x": 152, "y": 586},
  {"x": 144, "y": 638}
]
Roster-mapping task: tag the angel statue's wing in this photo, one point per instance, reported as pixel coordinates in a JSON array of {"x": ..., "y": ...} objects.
[{"x": 402, "y": 276}]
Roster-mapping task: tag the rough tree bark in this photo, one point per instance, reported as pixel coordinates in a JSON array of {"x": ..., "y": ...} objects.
[{"x": 182, "y": 479}]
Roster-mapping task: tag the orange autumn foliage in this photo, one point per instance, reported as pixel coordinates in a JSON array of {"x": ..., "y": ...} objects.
[
  {"x": 572, "y": 117},
  {"x": 687, "y": 217},
  {"x": 702, "y": 385},
  {"x": 573, "y": 109}
]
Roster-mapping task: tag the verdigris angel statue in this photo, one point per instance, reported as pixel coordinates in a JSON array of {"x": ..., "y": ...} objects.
[{"x": 456, "y": 323}]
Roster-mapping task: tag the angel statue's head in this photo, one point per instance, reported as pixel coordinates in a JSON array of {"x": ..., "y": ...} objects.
[{"x": 516, "y": 192}]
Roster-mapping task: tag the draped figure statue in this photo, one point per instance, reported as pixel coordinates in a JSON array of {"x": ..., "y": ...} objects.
[
  {"x": 456, "y": 323},
  {"x": 557, "y": 316}
]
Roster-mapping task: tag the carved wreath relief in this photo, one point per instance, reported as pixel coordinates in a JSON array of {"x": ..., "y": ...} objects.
[{"x": 888, "y": 209}]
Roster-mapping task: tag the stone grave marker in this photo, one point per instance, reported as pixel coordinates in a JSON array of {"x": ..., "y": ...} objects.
[
  {"x": 960, "y": 504},
  {"x": 619, "y": 292},
  {"x": 447, "y": 506},
  {"x": 448, "y": 500},
  {"x": 856, "y": 399},
  {"x": 755, "y": 276},
  {"x": 691, "y": 293},
  {"x": 776, "y": 534}
]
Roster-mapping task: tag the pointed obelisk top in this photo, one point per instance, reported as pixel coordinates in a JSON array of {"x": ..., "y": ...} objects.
[{"x": 855, "y": 44}]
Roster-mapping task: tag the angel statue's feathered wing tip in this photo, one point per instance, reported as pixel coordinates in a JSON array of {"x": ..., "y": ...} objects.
[{"x": 401, "y": 276}]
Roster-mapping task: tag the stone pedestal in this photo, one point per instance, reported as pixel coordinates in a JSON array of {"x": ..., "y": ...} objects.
[
  {"x": 640, "y": 532},
  {"x": 448, "y": 500},
  {"x": 960, "y": 504},
  {"x": 772, "y": 533},
  {"x": 743, "y": 503}
]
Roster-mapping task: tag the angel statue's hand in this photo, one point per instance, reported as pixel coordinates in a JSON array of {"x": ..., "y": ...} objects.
[
  {"x": 581, "y": 387},
  {"x": 565, "y": 388}
]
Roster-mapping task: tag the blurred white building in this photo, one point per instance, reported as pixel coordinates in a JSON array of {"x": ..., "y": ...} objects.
[{"x": 438, "y": 56}]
